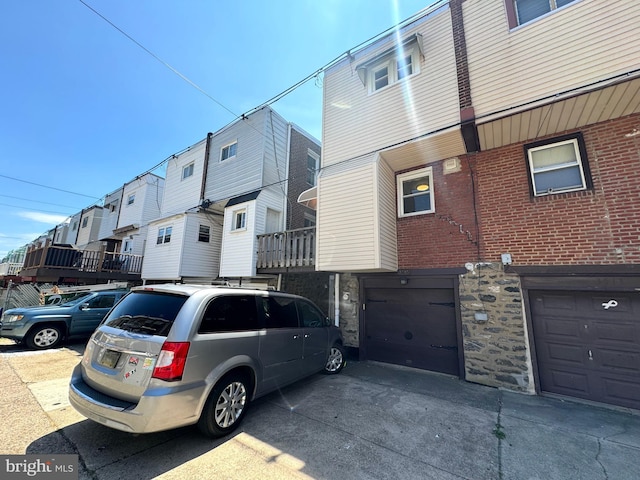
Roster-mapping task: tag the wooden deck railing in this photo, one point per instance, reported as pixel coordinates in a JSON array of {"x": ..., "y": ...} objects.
[
  {"x": 293, "y": 248},
  {"x": 69, "y": 258}
]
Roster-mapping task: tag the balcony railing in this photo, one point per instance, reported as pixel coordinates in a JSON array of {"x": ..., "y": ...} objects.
[
  {"x": 70, "y": 258},
  {"x": 290, "y": 249},
  {"x": 10, "y": 269}
]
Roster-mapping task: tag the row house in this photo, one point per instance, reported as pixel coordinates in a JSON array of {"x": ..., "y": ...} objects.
[
  {"x": 227, "y": 195},
  {"x": 477, "y": 195}
]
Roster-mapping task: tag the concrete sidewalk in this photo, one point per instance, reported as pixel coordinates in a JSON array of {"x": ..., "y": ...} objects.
[{"x": 373, "y": 421}]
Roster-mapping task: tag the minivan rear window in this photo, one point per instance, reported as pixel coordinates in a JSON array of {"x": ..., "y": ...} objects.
[{"x": 151, "y": 313}]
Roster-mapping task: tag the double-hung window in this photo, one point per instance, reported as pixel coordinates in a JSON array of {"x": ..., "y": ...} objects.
[
  {"x": 393, "y": 65},
  {"x": 415, "y": 193},
  {"x": 313, "y": 163},
  {"x": 228, "y": 151},
  {"x": 131, "y": 199},
  {"x": 239, "y": 220},
  {"x": 558, "y": 165},
  {"x": 187, "y": 171},
  {"x": 164, "y": 235},
  {"x": 523, "y": 11}
]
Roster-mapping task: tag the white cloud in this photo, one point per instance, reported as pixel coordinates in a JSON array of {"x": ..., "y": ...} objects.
[{"x": 47, "y": 218}]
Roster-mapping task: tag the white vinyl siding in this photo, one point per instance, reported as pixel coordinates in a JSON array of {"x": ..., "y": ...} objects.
[
  {"x": 574, "y": 52},
  {"x": 356, "y": 122},
  {"x": 89, "y": 227},
  {"x": 180, "y": 193},
  {"x": 162, "y": 262},
  {"x": 238, "y": 246},
  {"x": 356, "y": 231},
  {"x": 201, "y": 259}
]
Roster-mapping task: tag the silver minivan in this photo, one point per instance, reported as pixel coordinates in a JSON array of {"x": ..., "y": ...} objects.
[{"x": 167, "y": 356}]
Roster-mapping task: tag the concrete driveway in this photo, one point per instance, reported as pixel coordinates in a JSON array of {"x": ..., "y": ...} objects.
[{"x": 372, "y": 421}]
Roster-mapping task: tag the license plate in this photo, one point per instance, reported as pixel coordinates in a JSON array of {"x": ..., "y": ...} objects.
[{"x": 110, "y": 358}]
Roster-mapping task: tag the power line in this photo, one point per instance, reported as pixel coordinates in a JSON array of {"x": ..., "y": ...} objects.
[
  {"x": 166, "y": 64},
  {"x": 35, "y": 210},
  {"x": 47, "y": 186},
  {"x": 38, "y": 201}
]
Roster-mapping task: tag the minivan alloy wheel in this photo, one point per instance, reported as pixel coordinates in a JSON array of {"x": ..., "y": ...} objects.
[
  {"x": 335, "y": 360},
  {"x": 230, "y": 404}
]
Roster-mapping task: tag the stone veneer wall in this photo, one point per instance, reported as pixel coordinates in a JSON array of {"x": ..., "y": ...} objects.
[
  {"x": 349, "y": 304},
  {"x": 496, "y": 351}
]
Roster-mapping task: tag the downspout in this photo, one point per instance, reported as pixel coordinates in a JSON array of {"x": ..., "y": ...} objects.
[
  {"x": 205, "y": 169},
  {"x": 75, "y": 242},
  {"x": 287, "y": 172},
  {"x": 336, "y": 299}
]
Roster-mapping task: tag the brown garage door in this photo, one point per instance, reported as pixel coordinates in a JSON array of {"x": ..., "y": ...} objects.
[
  {"x": 588, "y": 344},
  {"x": 412, "y": 327}
]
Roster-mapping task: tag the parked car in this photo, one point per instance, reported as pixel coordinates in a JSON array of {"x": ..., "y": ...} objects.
[
  {"x": 173, "y": 355},
  {"x": 42, "y": 327}
]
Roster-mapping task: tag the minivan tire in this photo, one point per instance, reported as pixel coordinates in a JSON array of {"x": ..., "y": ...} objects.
[
  {"x": 41, "y": 337},
  {"x": 335, "y": 361},
  {"x": 226, "y": 406}
]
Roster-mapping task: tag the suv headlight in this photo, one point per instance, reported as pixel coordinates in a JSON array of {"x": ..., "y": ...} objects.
[{"x": 12, "y": 318}]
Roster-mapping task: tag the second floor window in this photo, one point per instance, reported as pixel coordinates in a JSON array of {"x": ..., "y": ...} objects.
[
  {"x": 228, "y": 151},
  {"x": 85, "y": 222},
  {"x": 239, "y": 220},
  {"x": 204, "y": 233},
  {"x": 187, "y": 171},
  {"x": 164, "y": 235},
  {"x": 313, "y": 163},
  {"x": 392, "y": 69},
  {"x": 131, "y": 199},
  {"x": 527, "y": 10}
]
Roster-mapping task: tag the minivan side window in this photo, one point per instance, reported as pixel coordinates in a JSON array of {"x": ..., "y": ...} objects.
[
  {"x": 280, "y": 312},
  {"x": 231, "y": 313},
  {"x": 310, "y": 315}
]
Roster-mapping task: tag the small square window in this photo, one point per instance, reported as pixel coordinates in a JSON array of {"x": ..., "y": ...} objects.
[
  {"x": 187, "y": 171},
  {"x": 131, "y": 199},
  {"x": 228, "y": 151},
  {"x": 85, "y": 222},
  {"x": 558, "y": 165},
  {"x": 415, "y": 193},
  {"x": 239, "y": 220},
  {"x": 204, "y": 233}
]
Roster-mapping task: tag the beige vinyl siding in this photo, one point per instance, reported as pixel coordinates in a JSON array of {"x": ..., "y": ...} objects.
[
  {"x": 349, "y": 229},
  {"x": 386, "y": 214},
  {"x": 179, "y": 194},
  {"x": 276, "y": 131},
  {"x": 201, "y": 259},
  {"x": 585, "y": 42},
  {"x": 356, "y": 122}
]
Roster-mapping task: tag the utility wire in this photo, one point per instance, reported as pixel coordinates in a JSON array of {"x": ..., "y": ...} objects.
[
  {"x": 37, "y": 201},
  {"x": 47, "y": 186},
  {"x": 36, "y": 210},
  {"x": 183, "y": 77}
]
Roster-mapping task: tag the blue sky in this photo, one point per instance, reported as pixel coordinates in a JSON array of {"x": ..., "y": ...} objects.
[{"x": 84, "y": 109}]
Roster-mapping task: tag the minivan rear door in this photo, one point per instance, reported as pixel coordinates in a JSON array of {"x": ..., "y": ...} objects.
[
  {"x": 121, "y": 355},
  {"x": 315, "y": 336}
]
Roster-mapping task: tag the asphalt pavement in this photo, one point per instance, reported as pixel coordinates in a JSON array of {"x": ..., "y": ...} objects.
[{"x": 372, "y": 421}]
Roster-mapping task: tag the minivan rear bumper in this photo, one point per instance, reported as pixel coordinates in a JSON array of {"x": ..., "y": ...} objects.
[{"x": 166, "y": 409}]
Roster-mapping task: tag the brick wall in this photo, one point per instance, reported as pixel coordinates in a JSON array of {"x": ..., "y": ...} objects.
[
  {"x": 298, "y": 178},
  {"x": 590, "y": 227},
  {"x": 448, "y": 237}
]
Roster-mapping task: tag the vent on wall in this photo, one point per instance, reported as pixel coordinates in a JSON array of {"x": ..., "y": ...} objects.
[{"x": 451, "y": 165}]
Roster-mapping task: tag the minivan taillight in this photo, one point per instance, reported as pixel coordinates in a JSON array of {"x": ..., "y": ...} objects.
[{"x": 171, "y": 361}]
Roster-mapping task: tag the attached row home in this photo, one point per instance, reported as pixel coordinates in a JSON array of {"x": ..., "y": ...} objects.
[{"x": 478, "y": 195}]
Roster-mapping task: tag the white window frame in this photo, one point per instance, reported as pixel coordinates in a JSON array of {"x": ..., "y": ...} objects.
[
  {"x": 314, "y": 156},
  {"x": 409, "y": 176},
  {"x": 553, "y": 6},
  {"x": 131, "y": 199},
  {"x": 187, "y": 171},
  {"x": 228, "y": 147},
  {"x": 239, "y": 214},
  {"x": 578, "y": 163},
  {"x": 164, "y": 235},
  {"x": 391, "y": 64}
]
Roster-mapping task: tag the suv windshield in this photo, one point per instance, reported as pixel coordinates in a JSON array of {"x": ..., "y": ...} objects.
[{"x": 150, "y": 313}]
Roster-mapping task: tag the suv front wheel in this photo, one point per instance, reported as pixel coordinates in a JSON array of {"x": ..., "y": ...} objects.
[
  {"x": 225, "y": 407},
  {"x": 44, "y": 336}
]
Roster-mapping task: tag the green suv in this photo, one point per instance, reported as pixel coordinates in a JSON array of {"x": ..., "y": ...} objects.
[{"x": 43, "y": 327}]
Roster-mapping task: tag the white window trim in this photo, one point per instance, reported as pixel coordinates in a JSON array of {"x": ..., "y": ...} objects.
[
  {"x": 188, "y": 168},
  {"x": 391, "y": 62},
  {"x": 131, "y": 199},
  {"x": 228, "y": 145},
  {"x": 208, "y": 227},
  {"x": 579, "y": 163},
  {"x": 164, "y": 235},
  {"x": 316, "y": 157},
  {"x": 403, "y": 177},
  {"x": 234, "y": 215}
]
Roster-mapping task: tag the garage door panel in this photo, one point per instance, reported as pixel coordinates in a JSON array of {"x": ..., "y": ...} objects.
[
  {"x": 413, "y": 327},
  {"x": 590, "y": 350}
]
